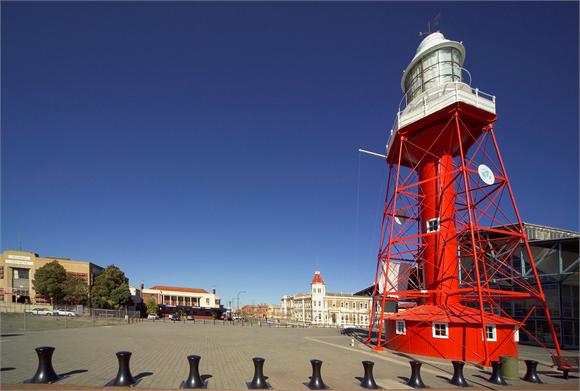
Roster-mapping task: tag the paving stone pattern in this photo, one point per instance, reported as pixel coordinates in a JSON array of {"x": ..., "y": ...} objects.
[{"x": 226, "y": 351}]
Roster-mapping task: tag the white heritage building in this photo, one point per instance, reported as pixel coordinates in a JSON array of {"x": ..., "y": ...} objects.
[{"x": 326, "y": 309}]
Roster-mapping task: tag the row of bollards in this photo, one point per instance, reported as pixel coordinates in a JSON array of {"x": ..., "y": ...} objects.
[
  {"x": 531, "y": 375},
  {"x": 45, "y": 373},
  {"x": 458, "y": 379}
]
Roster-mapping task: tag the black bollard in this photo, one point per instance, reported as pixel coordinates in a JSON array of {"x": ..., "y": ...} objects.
[
  {"x": 45, "y": 372},
  {"x": 368, "y": 380},
  {"x": 458, "y": 379},
  {"x": 259, "y": 381},
  {"x": 316, "y": 382},
  {"x": 124, "y": 377},
  {"x": 496, "y": 377},
  {"x": 531, "y": 372},
  {"x": 415, "y": 380},
  {"x": 194, "y": 380}
]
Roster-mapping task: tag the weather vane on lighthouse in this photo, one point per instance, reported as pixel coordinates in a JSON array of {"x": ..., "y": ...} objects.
[{"x": 450, "y": 230}]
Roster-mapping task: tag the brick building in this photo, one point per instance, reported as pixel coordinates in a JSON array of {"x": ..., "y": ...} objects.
[{"x": 17, "y": 270}]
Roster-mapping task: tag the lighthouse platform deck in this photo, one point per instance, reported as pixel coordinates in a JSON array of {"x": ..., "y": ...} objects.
[{"x": 438, "y": 98}]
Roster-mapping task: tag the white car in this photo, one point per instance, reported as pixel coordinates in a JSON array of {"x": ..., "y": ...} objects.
[
  {"x": 64, "y": 313},
  {"x": 40, "y": 311},
  {"x": 152, "y": 317}
]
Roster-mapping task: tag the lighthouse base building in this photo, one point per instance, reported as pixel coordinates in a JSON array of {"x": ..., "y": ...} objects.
[{"x": 453, "y": 332}]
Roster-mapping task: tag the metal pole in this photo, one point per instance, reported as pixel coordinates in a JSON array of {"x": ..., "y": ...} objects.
[{"x": 372, "y": 153}]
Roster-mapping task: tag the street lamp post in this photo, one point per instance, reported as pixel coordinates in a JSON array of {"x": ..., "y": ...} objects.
[{"x": 238, "y": 297}]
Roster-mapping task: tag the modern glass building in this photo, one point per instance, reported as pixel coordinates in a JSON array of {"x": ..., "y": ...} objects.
[{"x": 555, "y": 253}]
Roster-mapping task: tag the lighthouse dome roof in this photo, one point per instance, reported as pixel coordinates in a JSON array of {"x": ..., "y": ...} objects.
[{"x": 430, "y": 43}]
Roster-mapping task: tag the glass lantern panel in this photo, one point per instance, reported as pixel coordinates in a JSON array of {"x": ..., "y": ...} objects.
[
  {"x": 445, "y": 55},
  {"x": 446, "y": 72},
  {"x": 456, "y": 71},
  {"x": 431, "y": 72},
  {"x": 455, "y": 54},
  {"x": 430, "y": 59}
]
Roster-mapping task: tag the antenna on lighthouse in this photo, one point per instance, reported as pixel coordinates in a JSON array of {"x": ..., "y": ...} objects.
[{"x": 435, "y": 22}]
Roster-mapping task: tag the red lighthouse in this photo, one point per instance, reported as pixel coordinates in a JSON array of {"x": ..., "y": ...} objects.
[{"x": 451, "y": 233}]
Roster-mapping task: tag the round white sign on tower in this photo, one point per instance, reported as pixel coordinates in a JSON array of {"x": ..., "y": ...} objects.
[
  {"x": 486, "y": 174},
  {"x": 397, "y": 220}
]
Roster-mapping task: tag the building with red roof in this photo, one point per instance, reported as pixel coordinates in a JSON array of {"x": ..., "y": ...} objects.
[{"x": 189, "y": 301}]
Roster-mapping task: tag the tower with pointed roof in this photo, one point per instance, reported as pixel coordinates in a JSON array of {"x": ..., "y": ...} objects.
[{"x": 318, "y": 290}]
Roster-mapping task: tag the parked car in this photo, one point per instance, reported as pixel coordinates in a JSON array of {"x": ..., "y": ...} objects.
[
  {"x": 152, "y": 317},
  {"x": 40, "y": 311},
  {"x": 174, "y": 317},
  {"x": 64, "y": 313}
]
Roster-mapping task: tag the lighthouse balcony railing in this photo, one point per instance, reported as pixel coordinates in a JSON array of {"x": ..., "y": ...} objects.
[{"x": 439, "y": 97}]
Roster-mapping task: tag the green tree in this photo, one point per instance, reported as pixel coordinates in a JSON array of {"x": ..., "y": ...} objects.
[
  {"x": 49, "y": 280},
  {"x": 75, "y": 290},
  {"x": 151, "y": 307},
  {"x": 111, "y": 289}
]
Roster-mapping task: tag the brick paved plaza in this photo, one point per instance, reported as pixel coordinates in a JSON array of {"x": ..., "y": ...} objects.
[{"x": 161, "y": 349}]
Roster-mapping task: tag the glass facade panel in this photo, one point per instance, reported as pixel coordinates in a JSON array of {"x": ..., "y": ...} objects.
[
  {"x": 552, "y": 293},
  {"x": 561, "y": 292},
  {"x": 546, "y": 259},
  {"x": 568, "y": 259},
  {"x": 570, "y": 301},
  {"x": 570, "y": 333}
]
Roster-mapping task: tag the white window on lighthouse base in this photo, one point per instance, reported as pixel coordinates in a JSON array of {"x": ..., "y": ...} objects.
[
  {"x": 432, "y": 225},
  {"x": 400, "y": 327},
  {"x": 490, "y": 333},
  {"x": 440, "y": 330}
]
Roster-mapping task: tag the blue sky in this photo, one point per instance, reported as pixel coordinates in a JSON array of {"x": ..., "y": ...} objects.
[{"x": 214, "y": 145}]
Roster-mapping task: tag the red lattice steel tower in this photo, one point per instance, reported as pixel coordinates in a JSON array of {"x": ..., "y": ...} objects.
[{"x": 450, "y": 224}]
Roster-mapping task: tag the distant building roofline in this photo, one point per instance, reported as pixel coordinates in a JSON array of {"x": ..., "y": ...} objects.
[
  {"x": 177, "y": 289},
  {"x": 565, "y": 232},
  {"x": 32, "y": 254}
]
